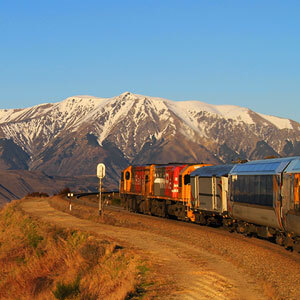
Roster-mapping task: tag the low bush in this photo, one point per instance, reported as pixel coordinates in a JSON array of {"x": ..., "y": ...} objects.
[
  {"x": 37, "y": 194},
  {"x": 64, "y": 191},
  {"x": 66, "y": 290}
]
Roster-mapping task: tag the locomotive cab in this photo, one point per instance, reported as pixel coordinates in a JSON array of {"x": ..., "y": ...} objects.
[{"x": 125, "y": 183}]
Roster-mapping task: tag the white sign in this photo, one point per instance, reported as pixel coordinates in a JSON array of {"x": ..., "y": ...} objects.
[{"x": 100, "y": 171}]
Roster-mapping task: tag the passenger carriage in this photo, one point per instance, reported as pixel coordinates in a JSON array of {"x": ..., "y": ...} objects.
[{"x": 255, "y": 199}]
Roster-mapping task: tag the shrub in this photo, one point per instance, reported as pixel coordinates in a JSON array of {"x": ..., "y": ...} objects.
[
  {"x": 64, "y": 290},
  {"x": 64, "y": 191},
  {"x": 37, "y": 194}
]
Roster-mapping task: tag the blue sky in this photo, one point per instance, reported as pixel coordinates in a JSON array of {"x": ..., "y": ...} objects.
[{"x": 244, "y": 53}]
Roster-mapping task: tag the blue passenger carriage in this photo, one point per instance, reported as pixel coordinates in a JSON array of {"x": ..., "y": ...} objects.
[{"x": 255, "y": 196}]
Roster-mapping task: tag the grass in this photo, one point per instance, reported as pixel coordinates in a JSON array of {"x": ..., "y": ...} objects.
[
  {"x": 41, "y": 261},
  {"x": 80, "y": 211},
  {"x": 146, "y": 286}
]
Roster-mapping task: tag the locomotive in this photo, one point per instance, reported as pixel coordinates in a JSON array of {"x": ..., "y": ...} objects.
[
  {"x": 260, "y": 198},
  {"x": 161, "y": 190}
]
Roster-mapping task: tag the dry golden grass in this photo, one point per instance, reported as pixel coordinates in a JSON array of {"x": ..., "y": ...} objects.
[
  {"x": 81, "y": 211},
  {"x": 148, "y": 285},
  {"x": 41, "y": 261}
]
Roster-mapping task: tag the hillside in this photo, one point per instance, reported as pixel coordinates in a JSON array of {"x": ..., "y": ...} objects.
[
  {"x": 42, "y": 261},
  {"x": 71, "y": 137},
  {"x": 16, "y": 184},
  {"x": 185, "y": 261}
]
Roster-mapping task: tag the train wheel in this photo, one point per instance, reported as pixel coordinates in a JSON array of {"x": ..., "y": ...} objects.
[
  {"x": 280, "y": 239},
  {"x": 142, "y": 207},
  {"x": 288, "y": 243}
]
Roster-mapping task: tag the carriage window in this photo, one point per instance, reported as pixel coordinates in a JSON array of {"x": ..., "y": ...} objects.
[
  {"x": 254, "y": 189},
  {"x": 127, "y": 175}
]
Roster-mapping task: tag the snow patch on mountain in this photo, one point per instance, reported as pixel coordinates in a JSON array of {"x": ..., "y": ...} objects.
[
  {"x": 103, "y": 115},
  {"x": 184, "y": 109},
  {"x": 280, "y": 123},
  {"x": 14, "y": 115},
  {"x": 113, "y": 114}
]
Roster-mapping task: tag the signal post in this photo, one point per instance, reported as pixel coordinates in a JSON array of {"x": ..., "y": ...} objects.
[{"x": 100, "y": 175}]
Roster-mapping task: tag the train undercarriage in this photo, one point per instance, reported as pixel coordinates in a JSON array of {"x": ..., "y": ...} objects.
[
  {"x": 177, "y": 210},
  {"x": 156, "y": 207},
  {"x": 287, "y": 240}
]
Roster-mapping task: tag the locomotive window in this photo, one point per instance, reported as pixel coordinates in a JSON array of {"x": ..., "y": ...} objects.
[
  {"x": 159, "y": 173},
  {"x": 127, "y": 175},
  {"x": 146, "y": 178},
  {"x": 122, "y": 176},
  {"x": 180, "y": 180},
  {"x": 187, "y": 179}
]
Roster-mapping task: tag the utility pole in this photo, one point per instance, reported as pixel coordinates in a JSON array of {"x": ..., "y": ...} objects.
[{"x": 100, "y": 175}]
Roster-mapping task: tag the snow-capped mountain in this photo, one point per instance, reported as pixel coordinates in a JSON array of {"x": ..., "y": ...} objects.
[{"x": 72, "y": 136}]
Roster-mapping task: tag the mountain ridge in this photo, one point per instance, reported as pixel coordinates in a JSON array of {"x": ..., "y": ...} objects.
[{"x": 69, "y": 138}]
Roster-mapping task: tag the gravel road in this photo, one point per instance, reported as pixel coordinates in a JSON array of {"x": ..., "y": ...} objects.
[{"x": 194, "y": 262}]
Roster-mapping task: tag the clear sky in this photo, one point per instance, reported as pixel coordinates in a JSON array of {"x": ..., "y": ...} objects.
[{"x": 243, "y": 52}]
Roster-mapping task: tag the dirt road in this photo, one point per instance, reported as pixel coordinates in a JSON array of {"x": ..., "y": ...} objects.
[{"x": 198, "y": 262}]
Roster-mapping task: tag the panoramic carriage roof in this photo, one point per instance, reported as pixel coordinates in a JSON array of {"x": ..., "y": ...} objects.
[
  {"x": 294, "y": 166},
  {"x": 209, "y": 171},
  {"x": 262, "y": 167}
]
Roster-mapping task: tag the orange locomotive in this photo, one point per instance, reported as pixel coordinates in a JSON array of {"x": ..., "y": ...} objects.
[{"x": 161, "y": 190}]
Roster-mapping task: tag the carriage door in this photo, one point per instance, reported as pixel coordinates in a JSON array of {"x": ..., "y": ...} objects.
[
  {"x": 214, "y": 193},
  {"x": 224, "y": 193}
]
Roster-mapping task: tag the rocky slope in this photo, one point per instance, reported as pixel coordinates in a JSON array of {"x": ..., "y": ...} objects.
[{"x": 69, "y": 138}]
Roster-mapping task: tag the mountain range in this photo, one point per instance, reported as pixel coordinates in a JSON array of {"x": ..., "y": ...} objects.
[{"x": 69, "y": 138}]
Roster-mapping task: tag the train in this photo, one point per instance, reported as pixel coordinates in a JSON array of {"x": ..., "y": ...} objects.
[{"x": 256, "y": 198}]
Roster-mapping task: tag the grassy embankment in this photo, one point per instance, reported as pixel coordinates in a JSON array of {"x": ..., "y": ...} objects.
[
  {"x": 41, "y": 261},
  {"x": 60, "y": 203}
]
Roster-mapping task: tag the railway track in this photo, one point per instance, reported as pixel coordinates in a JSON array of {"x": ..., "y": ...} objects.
[
  {"x": 195, "y": 262},
  {"x": 92, "y": 201}
]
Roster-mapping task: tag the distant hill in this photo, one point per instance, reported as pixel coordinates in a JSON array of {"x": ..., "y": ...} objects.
[
  {"x": 16, "y": 184},
  {"x": 71, "y": 137}
]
